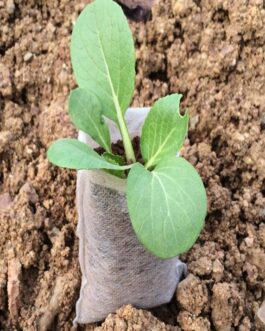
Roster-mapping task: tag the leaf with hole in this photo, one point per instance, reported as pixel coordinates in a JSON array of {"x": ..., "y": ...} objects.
[
  {"x": 164, "y": 130},
  {"x": 166, "y": 197}
]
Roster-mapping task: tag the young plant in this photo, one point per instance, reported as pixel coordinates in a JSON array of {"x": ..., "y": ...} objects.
[{"x": 166, "y": 197}]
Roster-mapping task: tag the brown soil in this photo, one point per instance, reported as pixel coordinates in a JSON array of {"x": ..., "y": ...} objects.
[
  {"x": 118, "y": 149},
  {"x": 211, "y": 51}
]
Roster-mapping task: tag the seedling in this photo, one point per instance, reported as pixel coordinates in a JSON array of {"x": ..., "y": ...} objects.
[{"x": 166, "y": 197}]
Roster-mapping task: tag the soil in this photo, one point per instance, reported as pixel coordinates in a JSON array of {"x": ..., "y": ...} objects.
[
  {"x": 213, "y": 52},
  {"x": 118, "y": 149}
]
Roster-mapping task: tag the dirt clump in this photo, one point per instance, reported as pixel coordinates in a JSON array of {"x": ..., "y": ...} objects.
[
  {"x": 129, "y": 318},
  {"x": 192, "y": 295},
  {"x": 226, "y": 305},
  {"x": 212, "y": 52},
  {"x": 191, "y": 322}
]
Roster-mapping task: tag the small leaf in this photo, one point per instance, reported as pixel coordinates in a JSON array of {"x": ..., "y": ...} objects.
[
  {"x": 86, "y": 114},
  {"x": 167, "y": 206},
  {"x": 164, "y": 130},
  {"x": 115, "y": 159},
  {"x": 103, "y": 58},
  {"x": 73, "y": 154}
]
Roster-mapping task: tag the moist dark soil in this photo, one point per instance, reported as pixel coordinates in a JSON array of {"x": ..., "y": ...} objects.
[
  {"x": 213, "y": 52},
  {"x": 118, "y": 149}
]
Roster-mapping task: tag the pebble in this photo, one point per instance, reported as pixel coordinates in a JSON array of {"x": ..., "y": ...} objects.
[
  {"x": 5, "y": 81},
  {"x": 182, "y": 7},
  {"x": 5, "y": 201},
  {"x": 28, "y": 56},
  {"x": 5, "y": 137},
  {"x": 193, "y": 121},
  {"x": 249, "y": 241},
  {"x": 261, "y": 316},
  {"x": 218, "y": 270},
  {"x": 10, "y": 7}
]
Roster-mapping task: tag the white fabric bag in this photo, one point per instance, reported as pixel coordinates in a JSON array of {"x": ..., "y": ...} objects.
[{"x": 116, "y": 268}]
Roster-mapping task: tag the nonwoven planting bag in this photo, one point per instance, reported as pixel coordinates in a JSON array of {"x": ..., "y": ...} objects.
[{"x": 116, "y": 268}]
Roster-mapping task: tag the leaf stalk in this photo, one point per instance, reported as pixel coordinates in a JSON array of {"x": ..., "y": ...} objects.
[{"x": 128, "y": 148}]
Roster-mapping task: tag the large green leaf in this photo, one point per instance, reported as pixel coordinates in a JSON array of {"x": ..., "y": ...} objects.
[
  {"x": 86, "y": 114},
  {"x": 167, "y": 206},
  {"x": 164, "y": 130},
  {"x": 73, "y": 154},
  {"x": 102, "y": 54}
]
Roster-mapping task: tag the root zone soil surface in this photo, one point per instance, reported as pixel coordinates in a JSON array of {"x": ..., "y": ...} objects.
[{"x": 211, "y": 51}]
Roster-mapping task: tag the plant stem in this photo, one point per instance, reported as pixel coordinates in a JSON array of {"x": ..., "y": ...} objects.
[{"x": 129, "y": 152}]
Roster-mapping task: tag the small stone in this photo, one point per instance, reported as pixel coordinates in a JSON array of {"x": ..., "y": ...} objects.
[
  {"x": 238, "y": 137},
  {"x": 31, "y": 172},
  {"x": 5, "y": 136},
  {"x": 29, "y": 193},
  {"x": 260, "y": 316},
  {"x": 28, "y": 56},
  {"x": 5, "y": 201},
  {"x": 5, "y": 81},
  {"x": 47, "y": 203},
  {"x": 194, "y": 121},
  {"x": 10, "y": 7},
  {"x": 218, "y": 270},
  {"x": 63, "y": 77},
  {"x": 182, "y": 7},
  {"x": 249, "y": 241}
]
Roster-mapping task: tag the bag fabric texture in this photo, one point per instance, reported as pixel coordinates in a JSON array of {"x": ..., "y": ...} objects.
[{"x": 116, "y": 268}]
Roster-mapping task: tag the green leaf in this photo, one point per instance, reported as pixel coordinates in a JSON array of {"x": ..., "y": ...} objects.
[
  {"x": 115, "y": 159},
  {"x": 102, "y": 54},
  {"x": 73, "y": 154},
  {"x": 86, "y": 114},
  {"x": 164, "y": 130},
  {"x": 167, "y": 206}
]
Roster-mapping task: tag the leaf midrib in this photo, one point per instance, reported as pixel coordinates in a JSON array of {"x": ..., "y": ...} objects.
[
  {"x": 114, "y": 96},
  {"x": 167, "y": 204},
  {"x": 150, "y": 161}
]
